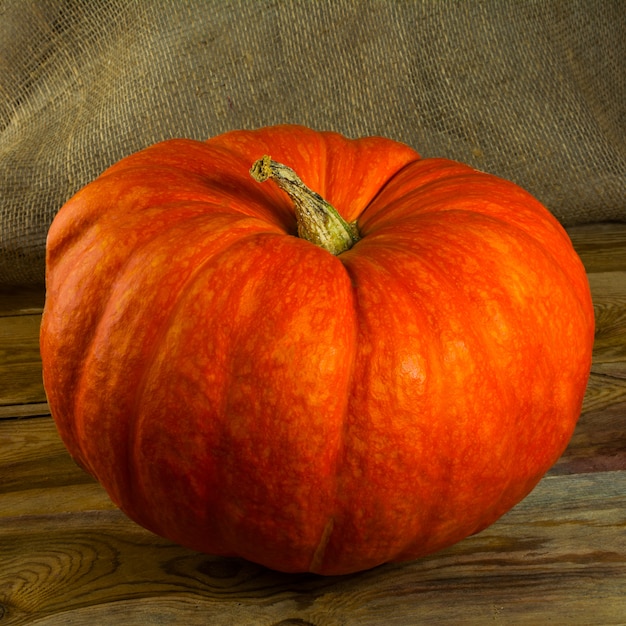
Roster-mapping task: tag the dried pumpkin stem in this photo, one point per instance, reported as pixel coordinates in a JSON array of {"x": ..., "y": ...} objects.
[{"x": 318, "y": 221}]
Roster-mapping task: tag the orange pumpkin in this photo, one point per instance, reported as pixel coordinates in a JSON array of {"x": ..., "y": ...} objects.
[{"x": 241, "y": 390}]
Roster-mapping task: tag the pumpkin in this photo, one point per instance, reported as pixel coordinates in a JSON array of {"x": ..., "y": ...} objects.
[{"x": 364, "y": 359}]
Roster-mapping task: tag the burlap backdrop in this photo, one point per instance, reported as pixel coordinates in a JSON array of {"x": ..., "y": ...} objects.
[{"x": 534, "y": 91}]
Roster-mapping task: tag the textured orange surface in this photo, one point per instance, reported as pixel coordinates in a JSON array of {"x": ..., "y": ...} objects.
[{"x": 243, "y": 392}]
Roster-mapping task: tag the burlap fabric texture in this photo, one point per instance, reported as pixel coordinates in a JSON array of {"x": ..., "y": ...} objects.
[{"x": 531, "y": 90}]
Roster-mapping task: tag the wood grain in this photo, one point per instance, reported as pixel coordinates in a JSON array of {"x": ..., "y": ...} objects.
[
  {"x": 18, "y": 301},
  {"x": 558, "y": 545},
  {"x": 69, "y": 557},
  {"x": 20, "y": 372},
  {"x": 20, "y": 363},
  {"x": 602, "y": 247}
]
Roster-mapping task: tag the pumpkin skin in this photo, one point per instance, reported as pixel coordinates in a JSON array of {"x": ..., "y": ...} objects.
[{"x": 243, "y": 392}]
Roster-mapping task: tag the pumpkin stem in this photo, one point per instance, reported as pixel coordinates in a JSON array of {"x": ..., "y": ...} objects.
[{"x": 318, "y": 221}]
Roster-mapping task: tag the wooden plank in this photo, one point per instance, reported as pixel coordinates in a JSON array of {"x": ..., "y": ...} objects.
[
  {"x": 33, "y": 456},
  {"x": 598, "y": 443},
  {"x": 559, "y": 557},
  {"x": 20, "y": 360},
  {"x": 608, "y": 290},
  {"x": 21, "y": 387},
  {"x": 601, "y": 247},
  {"x": 35, "y": 409},
  {"x": 19, "y": 301}
]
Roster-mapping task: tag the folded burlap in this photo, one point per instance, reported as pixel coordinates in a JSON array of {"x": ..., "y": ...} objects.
[{"x": 532, "y": 91}]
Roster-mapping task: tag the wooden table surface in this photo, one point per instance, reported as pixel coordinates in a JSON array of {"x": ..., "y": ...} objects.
[{"x": 67, "y": 556}]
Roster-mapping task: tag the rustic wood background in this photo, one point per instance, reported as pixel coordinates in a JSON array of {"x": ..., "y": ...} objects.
[{"x": 67, "y": 556}]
